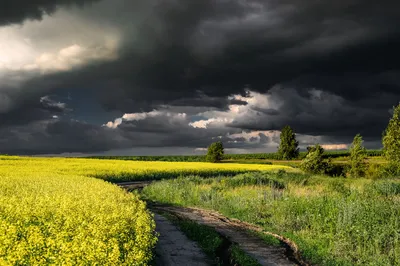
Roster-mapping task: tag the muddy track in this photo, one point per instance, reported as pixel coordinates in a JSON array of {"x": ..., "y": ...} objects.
[{"x": 233, "y": 230}]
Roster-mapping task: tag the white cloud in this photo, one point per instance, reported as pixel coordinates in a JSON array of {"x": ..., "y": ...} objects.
[
  {"x": 114, "y": 124},
  {"x": 215, "y": 122},
  {"x": 143, "y": 116}
]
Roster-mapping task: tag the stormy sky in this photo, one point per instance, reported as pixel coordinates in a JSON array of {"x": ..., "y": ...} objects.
[{"x": 172, "y": 76}]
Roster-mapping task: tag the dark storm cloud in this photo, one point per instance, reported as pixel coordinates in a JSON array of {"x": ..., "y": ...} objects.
[
  {"x": 36, "y": 109},
  {"x": 318, "y": 113},
  {"x": 194, "y": 54},
  {"x": 202, "y": 100},
  {"x": 160, "y": 128},
  {"x": 58, "y": 136},
  {"x": 16, "y": 11},
  {"x": 64, "y": 135},
  {"x": 49, "y": 104},
  {"x": 219, "y": 47}
]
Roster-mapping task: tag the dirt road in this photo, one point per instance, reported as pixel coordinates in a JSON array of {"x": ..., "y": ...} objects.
[{"x": 175, "y": 249}]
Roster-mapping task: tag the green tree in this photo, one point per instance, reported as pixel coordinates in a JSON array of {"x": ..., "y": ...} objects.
[
  {"x": 215, "y": 152},
  {"x": 313, "y": 162},
  {"x": 288, "y": 147},
  {"x": 391, "y": 138},
  {"x": 358, "y": 165}
]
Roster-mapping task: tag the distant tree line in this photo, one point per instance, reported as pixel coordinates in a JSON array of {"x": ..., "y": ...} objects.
[
  {"x": 315, "y": 160},
  {"x": 248, "y": 156}
]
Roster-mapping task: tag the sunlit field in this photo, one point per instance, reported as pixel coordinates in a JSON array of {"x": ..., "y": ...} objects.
[
  {"x": 335, "y": 221},
  {"x": 49, "y": 214},
  {"x": 59, "y": 211},
  {"x": 119, "y": 171}
]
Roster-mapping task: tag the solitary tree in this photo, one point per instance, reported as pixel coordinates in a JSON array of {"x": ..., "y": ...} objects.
[
  {"x": 215, "y": 152},
  {"x": 314, "y": 162},
  {"x": 288, "y": 147},
  {"x": 391, "y": 138},
  {"x": 357, "y": 157}
]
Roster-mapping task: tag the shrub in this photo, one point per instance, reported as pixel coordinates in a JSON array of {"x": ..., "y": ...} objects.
[
  {"x": 390, "y": 170},
  {"x": 374, "y": 171},
  {"x": 314, "y": 162}
]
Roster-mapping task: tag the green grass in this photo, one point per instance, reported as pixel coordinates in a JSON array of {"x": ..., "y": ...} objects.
[
  {"x": 335, "y": 221},
  {"x": 268, "y": 239},
  {"x": 241, "y": 258}
]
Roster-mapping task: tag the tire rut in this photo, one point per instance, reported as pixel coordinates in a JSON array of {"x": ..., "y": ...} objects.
[
  {"x": 235, "y": 231},
  {"x": 174, "y": 248}
]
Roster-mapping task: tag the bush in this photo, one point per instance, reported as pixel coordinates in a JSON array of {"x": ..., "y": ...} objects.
[
  {"x": 390, "y": 170},
  {"x": 374, "y": 171},
  {"x": 313, "y": 162}
]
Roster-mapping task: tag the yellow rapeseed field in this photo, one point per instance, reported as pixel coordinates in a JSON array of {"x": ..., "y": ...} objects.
[
  {"x": 118, "y": 170},
  {"x": 48, "y": 216},
  {"x": 52, "y": 210}
]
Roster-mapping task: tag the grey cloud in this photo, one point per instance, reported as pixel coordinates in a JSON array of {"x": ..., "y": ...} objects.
[
  {"x": 317, "y": 113},
  {"x": 52, "y": 105},
  {"x": 168, "y": 128},
  {"x": 264, "y": 139},
  {"x": 267, "y": 111},
  {"x": 57, "y": 136},
  {"x": 16, "y": 11},
  {"x": 167, "y": 55},
  {"x": 35, "y": 109},
  {"x": 171, "y": 50}
]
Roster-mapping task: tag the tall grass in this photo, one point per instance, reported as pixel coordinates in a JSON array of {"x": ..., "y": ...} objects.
[{"x": 334, "y": 221}]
